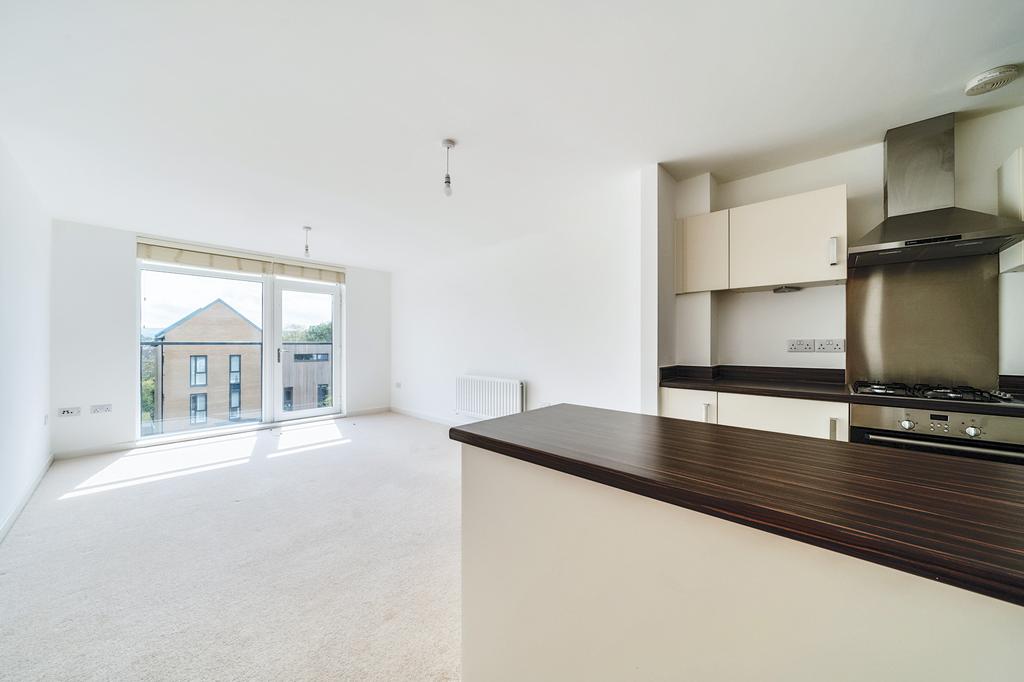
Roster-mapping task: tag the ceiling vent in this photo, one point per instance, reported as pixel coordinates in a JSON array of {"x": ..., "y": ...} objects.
[{"x": 993, "y": 79}]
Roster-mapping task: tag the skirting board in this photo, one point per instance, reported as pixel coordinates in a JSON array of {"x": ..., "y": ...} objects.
[
  {"x": 199, "y": 435},
  {"x": 446, "y": 421},
  {"x": 8, "y": 523},
  {"x": 368, "y": 410}
]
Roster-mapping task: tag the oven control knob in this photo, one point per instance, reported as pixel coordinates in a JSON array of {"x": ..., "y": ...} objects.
[
  {"x": 907, "y": 425},
  {"x": 972, "y": 431}
]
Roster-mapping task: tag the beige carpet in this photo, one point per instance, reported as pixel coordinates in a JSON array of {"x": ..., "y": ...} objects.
[{"x": 325, "y": 551}]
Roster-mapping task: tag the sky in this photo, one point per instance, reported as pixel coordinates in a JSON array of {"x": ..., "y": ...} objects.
[{"x": 168, "y": 297}]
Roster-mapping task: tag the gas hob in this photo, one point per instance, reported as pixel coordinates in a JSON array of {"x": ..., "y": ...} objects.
[{"x": 931, "y": 392}]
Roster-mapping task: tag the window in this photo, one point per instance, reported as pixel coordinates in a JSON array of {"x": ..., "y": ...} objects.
[
  {"x": 197, "y": 370},
  {"x": 196, "y": 326},
  {"x": 197, "y": 408},
  {"x": 234, "y": 387},
  {"x": 234, "y": 403},
  {"x": 234, "y": 370},
  {"x": 312, "y": 357},
  {"x": 206, "y": 313}
]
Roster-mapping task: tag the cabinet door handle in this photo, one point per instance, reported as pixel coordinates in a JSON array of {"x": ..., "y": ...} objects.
[
  {"x": 833, "y": 428},
  {"x": 833, "y": 250},
  {"x": 707, "y": 413}
]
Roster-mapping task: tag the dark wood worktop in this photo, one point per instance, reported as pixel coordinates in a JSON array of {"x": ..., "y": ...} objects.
[
  {"x": 816, "y": 384},
  {"x": 956, "y": 520}
]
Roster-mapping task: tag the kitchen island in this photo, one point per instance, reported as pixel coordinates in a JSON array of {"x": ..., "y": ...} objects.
[{"x": 609, "y": 545}]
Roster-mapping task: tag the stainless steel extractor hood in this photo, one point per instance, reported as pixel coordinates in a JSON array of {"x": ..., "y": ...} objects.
[{"x": 921, "y": 222}]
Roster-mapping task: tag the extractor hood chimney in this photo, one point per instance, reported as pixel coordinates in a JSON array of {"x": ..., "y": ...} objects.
[{"x": 921, "y": 220}]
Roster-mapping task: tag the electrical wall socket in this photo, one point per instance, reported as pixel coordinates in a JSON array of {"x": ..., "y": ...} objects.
[
  {"x": 830, "y": 345},
  {"x": 800, "y": 346},
  {"x": 101, "y": 409},
  {"x": 69, "y": 412}
]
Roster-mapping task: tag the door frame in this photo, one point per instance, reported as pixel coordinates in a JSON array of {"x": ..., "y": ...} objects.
[{"x": 276, "y": 349}]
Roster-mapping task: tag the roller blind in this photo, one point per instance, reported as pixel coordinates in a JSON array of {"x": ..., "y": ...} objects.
[{"x": 225, "y": 260}]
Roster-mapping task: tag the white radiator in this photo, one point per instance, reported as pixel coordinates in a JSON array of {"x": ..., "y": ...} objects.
[{"x": 486, "y": 397}]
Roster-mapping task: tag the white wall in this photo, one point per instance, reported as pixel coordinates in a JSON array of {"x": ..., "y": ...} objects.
[
  {"x": 751, "y": 328},
  {"x": 95, "y": 337},
  {"x": 982, "y": 145},
  {"x": 94, "y": 354},
  {"x": 665, "y": 283},
  {"x": 24, "y": 340},
  {"x": 368, "y": 338},
  {"x": 560, "y": 308}
]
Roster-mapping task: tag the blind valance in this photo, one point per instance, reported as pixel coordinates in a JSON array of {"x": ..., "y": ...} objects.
[{"x": 225, "y": 260}]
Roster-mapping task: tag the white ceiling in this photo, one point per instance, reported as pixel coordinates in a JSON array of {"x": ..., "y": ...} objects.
[{"x": 237, "y": 122}]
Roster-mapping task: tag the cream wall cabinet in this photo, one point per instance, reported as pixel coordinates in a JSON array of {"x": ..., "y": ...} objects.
[
  {"x": 815, "y": 418},
  {"x": 1012, "y": 259},
  {"x": 684, "y": 403},
  {"x": 702, "y": 253},
  {"x": 792, "y": 240}
]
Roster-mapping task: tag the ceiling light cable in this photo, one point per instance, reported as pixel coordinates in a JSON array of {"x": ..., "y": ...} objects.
[{"x": 447, "y": 144}]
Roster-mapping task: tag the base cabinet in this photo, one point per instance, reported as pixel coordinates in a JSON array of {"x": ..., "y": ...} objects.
[
  {"x": 684, "y": 403},
  {"x": 815, "y": 418}
]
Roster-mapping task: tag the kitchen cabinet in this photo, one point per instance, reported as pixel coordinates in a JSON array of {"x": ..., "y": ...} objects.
[
  {"x": 684, "y": 403},
  {"x": 816, "y": 418},
  {"x": 1012, "y": 259},
  {"x": 702, "y": 253},
  {"x": 798, "y": 239}
]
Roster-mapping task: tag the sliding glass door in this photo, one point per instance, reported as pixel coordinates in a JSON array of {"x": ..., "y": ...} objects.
[{"x": 307, "y": 367}]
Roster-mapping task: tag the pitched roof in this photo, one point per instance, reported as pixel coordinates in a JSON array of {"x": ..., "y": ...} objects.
[{"x": 163, "y": 332}]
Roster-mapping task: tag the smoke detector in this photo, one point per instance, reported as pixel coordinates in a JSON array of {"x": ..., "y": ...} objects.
[{"x": 990, "y": 80}]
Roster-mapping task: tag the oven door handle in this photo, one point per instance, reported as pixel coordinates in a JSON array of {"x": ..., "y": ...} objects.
[{"x": 944, "y": 446}]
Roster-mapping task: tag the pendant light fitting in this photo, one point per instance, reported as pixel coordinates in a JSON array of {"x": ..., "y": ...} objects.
[{"x": 447, "y": 145}]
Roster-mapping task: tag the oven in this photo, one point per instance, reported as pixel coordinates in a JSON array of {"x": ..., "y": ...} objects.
[{"x": 963, "y": 434}]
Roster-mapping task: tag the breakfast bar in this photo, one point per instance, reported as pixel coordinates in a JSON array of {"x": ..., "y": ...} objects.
[{"x": 610, "y": 545}]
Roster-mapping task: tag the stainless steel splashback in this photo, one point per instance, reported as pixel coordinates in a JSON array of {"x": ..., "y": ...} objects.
[{"x": 931, "y": 321}]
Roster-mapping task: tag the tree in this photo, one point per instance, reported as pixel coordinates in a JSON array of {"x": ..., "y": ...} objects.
[
  {"x": 148, "y": 398},
  {"x": 319, "y": 333}
]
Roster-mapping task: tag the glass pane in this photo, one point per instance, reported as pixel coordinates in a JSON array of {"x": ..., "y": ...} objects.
[
  {"x": 191, "y": 326},
  {"x": 307, "y": 365}
]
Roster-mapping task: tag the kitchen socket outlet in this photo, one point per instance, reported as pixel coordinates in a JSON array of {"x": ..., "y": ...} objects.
[
  {"x": 101, "y": 409},
  {"x": 800, "y": 346},
  {"x": 830, "y": 345},
  {"x": 69, "y": 412}
]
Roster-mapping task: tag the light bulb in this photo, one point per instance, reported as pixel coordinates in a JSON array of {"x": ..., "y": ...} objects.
[{"x": 447, "y": 185}]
